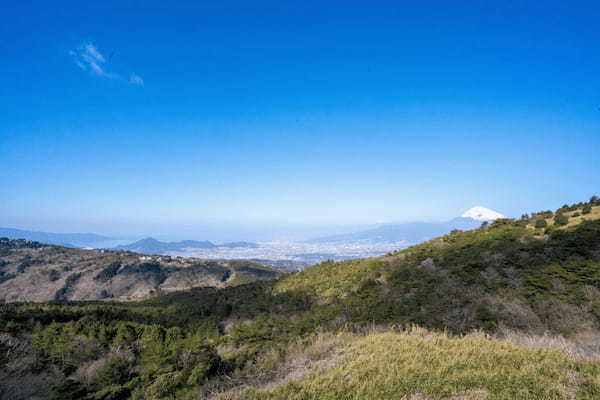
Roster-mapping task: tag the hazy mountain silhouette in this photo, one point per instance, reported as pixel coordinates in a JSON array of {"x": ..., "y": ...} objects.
[
  {"x": 153, "y": 246},
  {"x": 410, "y": 232},
  {"x": 62, "y": 239}
]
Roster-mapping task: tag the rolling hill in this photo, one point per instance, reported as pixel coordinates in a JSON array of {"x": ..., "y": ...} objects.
[
  {"x": 32, "y": 271},
  {"x": 510, "y": 310},
  {"x": 508, "y": 273},
  {"x": 153, "y": 246}
]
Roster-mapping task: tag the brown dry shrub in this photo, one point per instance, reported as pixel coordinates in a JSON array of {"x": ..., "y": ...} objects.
[
  {"x": 89, "y": 372},
  {"x": 561, "y": 317},
  {"x": 278, "y": 366},
  {"x": 582, "y": 346},
  {"x": 515, "y": 313}
]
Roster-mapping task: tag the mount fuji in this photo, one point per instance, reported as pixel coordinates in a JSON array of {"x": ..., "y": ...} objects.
[
  {"x": 415, "y": 232},
  {"x": 480, "y": 213}
]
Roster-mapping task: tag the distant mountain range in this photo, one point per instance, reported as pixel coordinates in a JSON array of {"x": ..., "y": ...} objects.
[
  {"x": 60, "y": 239},
  {"x": 153, "y": 246},
  {"x": 415, "y": 232},
  {"x": 144, "y": 246},
  {"x": 408, "y": 233}
]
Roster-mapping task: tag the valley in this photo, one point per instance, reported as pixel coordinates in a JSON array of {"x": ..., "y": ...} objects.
[{"x": 507, "y": 310}]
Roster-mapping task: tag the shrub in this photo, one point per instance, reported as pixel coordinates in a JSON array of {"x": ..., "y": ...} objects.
[
  {"x": 502, "y": 222},
  {"x": 561, "y": 219},
  {"x": 587, "y": 209},
  {"x": 62, "y": 293},
  {"x": 108, "y": 273},
  {"x": 5, "y": 276},
  {"x": 112, "y": 392},
  {"x": 541, "y": 224},
  {"x": 54, "y": 275},
  {"x": 24, "y": 265},
  {"x": 66, "y": 390},
  {"x": 543, "y": 214},
  {"x": 117, "y": 371},
  {"x": 521, "y": 223},
  {"x": 163, "y": 386},
  {"x": 151, "y": 270},
  {"x": 125, "y": 336}
]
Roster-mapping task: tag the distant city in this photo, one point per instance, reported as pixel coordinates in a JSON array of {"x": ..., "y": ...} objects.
[
  {"x": 280, "y": 254},
  {"x": 305, "y": 253}
]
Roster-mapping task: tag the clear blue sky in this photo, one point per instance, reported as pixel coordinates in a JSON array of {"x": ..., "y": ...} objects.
[{"x": 124, "y": 116}]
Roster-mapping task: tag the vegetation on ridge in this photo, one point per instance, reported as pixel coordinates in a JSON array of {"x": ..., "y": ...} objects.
[{"x": 209, "y": 342}]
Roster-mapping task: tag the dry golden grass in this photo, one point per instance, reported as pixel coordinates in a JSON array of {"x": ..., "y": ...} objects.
[
  {"x": 294, "y": 362},
  {"x": 421, "y": 365},
  {"x": 595, "y": 214},
  {"x": 573, "y": 221}
]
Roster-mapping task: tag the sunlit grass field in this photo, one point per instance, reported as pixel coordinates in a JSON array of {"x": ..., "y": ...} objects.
[
  {"x": 595, "y": 214},
  {"x": 576, "y": 220},
  {"x": 422, "y": 365}
]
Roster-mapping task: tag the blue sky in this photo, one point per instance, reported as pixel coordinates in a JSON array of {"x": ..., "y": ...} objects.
[{"x": 173, "y": 117}]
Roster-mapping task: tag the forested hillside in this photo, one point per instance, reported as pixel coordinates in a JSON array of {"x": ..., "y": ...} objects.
[{"x": 528, "y": 288}]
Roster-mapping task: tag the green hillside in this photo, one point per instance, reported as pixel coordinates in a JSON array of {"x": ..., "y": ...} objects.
[
  {"x": 344, "y": 330},
  {"x": 508, "y": 273}
]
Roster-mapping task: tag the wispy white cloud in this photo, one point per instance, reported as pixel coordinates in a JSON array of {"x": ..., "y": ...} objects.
[
  {"x": 136, "y": 80},
  {"x": 90, "y": 59}
]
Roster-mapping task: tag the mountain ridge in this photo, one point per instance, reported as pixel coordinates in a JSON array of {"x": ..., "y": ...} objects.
[
  {"x": 409, "y": 232},
  {"x": 60, "y": 239},
  {"x": 150, "y": 245},
  {"x": 33, "y": 271}
]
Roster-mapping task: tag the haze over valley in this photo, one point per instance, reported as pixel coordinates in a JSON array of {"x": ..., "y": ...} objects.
[{"x": 290, "y": 255}]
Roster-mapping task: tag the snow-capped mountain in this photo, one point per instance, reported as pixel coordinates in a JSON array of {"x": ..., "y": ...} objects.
[
  {"x": 480, "y": 213},
  {"x": 415, "y": 232}
]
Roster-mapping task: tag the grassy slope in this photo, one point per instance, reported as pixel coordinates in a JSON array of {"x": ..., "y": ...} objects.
[
  {"x": 332, "y": 279},
  {"x": 508, "y": 274},
  {"x": 428, "y": 365},
  {"x": 594, "y": 215}
]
